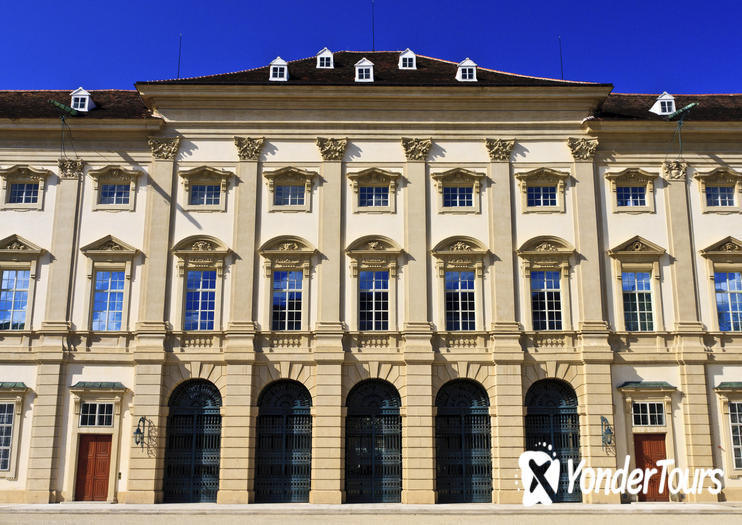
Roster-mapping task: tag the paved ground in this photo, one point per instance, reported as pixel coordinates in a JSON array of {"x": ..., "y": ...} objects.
[{"x": 388, "y": 514}]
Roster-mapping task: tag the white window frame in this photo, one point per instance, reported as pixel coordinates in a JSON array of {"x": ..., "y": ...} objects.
[
  {"x": 85, "y": 97},
  {"x": 290, "y": 176},
  {"x": 632, "y": 177},
  {"x": 278, "y": 65},
  {"x": 113, "y": 174},
  {"x": 209, "y": 176},
  {"x": 409, "y": 55},
  {"x": 720, "y": 177},
  {"x": 464, "y": 69},
  {"x": 17, "y": 253},
  {"x": 461, "y": 178},
  {"x": 367, "y": 66},
  {"x": 374, "y": 177},
  {"x": 96, "y": 415},
  {"x": 13, "y": 394},
  {"x": 543, "y": 177},
  {"x": 325, "y": 54},
  {"x": 22, "y": 174},
  {"x": 670, "y": 106},
  {"x": 660, "y": 415},
  {"x": 722, "y": 256}
]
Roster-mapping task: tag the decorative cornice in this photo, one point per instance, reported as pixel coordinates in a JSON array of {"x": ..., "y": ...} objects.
[
  {"x": 332, "y": 149},
  {"x": 582, "y": 148},
  {"x": 416, "y": 149},
  {"x": 70, "y": 168},
  {"x": 109, "y": 248},
  {"x": 499, "y": 149},
  {"x": 249, "y": 148},
  {"x": 164, "y": 148},
  {"x": 287, "y": 252},
  {"x": 674, "y": 170}
]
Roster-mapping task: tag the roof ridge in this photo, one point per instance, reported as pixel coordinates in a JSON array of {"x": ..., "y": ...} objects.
[{"x": 678, "y": 94}]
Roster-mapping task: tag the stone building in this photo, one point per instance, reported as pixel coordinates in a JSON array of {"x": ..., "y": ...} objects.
[{"x": 364, "y": 277}]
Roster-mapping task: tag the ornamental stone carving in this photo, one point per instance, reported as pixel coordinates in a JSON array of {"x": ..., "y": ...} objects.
[
  {"x": 332, "y": 149},
  {"x": 110, "y": 246},
  {"x": 416, "y": 149},
  {"x": 460, "y": 246},
  {"x": 15, "y": 245},
  {"x": 582, "y": 148},
  {"x": 499, "y": 149},
  {"x": 164, "y": 148},
  {"x": 727, "y": 250},
  {"x": 547, "y": 247},
  {"x": 70, "y": 168},
  {"x": 730, "y": 247},
  {"x": 203, "y": 246},
  {"x": 249, "y": 148},
  {"x": 674, "y": 170}
]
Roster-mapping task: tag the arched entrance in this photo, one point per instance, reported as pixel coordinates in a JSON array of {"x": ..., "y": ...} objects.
[
  {"x": 373, "y": 444},
  {"x": 194, "y": 428},
  {"x": 283, "y": 457},
  {"x": 463, "y": 448},
  {"x": 551, "y": 417}
]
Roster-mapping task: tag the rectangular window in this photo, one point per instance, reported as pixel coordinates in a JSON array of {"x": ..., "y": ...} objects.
[
  {"x": 96, "y": 415},
  {"x": 631, "y": 196},
  {"x": 648, "y": 414},
  {"x": 108, "y": 300},
  {"x": 728, "y": 300},
  {"x": 288, "y": 196},
  {"x": 458, "y": 197},
  {"x": 286, "y": 301},
  {"x": 364, "y": 73},
  {"x": 204, "y": 195},
  {"x": 78, "y": 103},
  {"x": 373, "y": 295},
  {"x": 373, "y": 196},
  {"x": 719, "y": 195},
  {"x": 325, "y": 62},
  {"x": 24, "y": 193},
  {"x": 278, "y": 72},
  {"x": 13, "y": 299},
  {"x": 546, "y": 301},
  {"x": 637, "y": 301},
  {"x": 200, "y": 300},
  {"x": 666, "y": 106},
  {"x": 460, "y": 301},
  {"x": 467, "y": 73},
  {"x": 6, "y": 434},
  {"x": 408, "y": 62},
  {"x": 542, "y": 196},
  {"x": 114, "y": 194},
  {"x": 735, "y": 420}
]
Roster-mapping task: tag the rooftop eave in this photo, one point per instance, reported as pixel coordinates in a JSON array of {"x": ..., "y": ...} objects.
[
  {"x": 147, "y": 124},
  {"x": 661, "y": 127}
]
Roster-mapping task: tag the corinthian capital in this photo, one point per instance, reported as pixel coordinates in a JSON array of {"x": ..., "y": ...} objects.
[
  {"x": 416, "y": 149},
  {"x": 164, "y": 148},
  {"x": 332, "y": 149},
  {"x": 582, "y": 148},
  {"x": 249, "y": 148},
  {"x": 674, "y": 170},
  {"x": 499, "y": 149},
  {"x": 70, "y": 168}
]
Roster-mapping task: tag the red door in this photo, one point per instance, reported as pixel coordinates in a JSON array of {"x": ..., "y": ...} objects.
[
  {"x": 93, "y": 464},
  {"x": 649, "y": 449}
]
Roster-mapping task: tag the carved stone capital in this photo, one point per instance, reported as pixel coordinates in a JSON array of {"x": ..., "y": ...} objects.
[
  {"x": 416, "y": 149},
  {"x": 249, "y": 148},
  {"x": 332, "y": 149},
  {"x": 499, "y": 149},
  {"x": 582, "y": 148},
  {"x": 70, "y": 168},
  {"x": 164, "y": 148},
  {"x": 674, "y": 170}
]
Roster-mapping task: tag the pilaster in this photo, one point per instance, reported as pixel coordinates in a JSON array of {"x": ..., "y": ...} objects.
[{"x": 508, "y": 435}]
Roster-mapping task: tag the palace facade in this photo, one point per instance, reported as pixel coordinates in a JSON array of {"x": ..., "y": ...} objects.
[{"x": 364, "y": 277}]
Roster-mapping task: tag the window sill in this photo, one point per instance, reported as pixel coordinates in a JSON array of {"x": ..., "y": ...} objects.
[
  {"x": 633, "y": 210},
  {"x": 208, "y": 209},
  {"x": 289, "y": 209},
  {"x": 722, "y": 210},
  {"x": 458, "y": 211},
  {"x": 544, "y": 209},
  {"x": 21, "y": 207},
  {"x": 376, "y": 210},
  {"x": 113, "y": 207}
]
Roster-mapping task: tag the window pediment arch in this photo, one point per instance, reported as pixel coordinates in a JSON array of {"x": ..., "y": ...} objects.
[
  {"x": 287, "y": 252},
  {"x": 109, "y": 248},
  {"x": 720, "y": 175},
  {"x": 374, "y": 177},
  {"x": 460, "y": 252},
  {"x": 544, "y": 252},
  {"x": 24, "y": 171},
  {"x": 458, "y": 177},
  {"x": 542, "y": 176},
  {"x": 290, "y": 175},
  {"x": 200, "y": 252},
  {"x": 22, "y": 175},
  {"x": 16, "y": 248},
  {"x": 374, "y": 252},
  {"x": 206, "y": 174},
  {"x": 728, "y": 250},
  {"x": 632, "y": 177},
  {"x": 114, "y": 174},
  {"x": 637, "y": 249}
]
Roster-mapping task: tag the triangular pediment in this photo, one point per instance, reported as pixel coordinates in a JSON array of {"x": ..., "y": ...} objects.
[
  {"x": 109, "y": 245},
  {"x": 17, "y": 245},
  {"x": 637, "y": 246},
  {"x": 729, "y": 249},
  {"x": 364, "y": 62}
]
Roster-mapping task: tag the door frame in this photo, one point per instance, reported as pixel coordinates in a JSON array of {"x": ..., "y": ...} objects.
[
  {"x": 88, "y": 395},
  {"x": 81, "y": 436},
  {"x": 664, "y": 441}
]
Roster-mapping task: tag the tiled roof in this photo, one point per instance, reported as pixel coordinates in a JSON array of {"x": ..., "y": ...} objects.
[
  {"x": 647, "y": 385},
  {"x": 429, "y": 72},
  {"x": 730, "y": 385},
  {"x": 11, "y": 385},
  {"x": 109, "y": 104},
  {"x": 620, "y": 106},
  {"x": 98, "y": 385}
]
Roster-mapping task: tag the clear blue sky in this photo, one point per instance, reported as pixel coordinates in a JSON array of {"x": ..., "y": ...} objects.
[{"x": 639, "y": 46}]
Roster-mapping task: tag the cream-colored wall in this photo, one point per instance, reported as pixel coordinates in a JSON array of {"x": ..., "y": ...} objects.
[
  {"x": 716, "y": 374},
  {"x": 25, "y": 373}
]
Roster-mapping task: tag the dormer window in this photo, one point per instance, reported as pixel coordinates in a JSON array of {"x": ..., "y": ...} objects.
[
  {"x": 664, "y": 105},
  {"x": 324, "y": 59},
  {"x": 467, "y": 71},
  {"x": 80, "y": 100},
  {"x": 407, "y": 60},
  {"x": 279, "y": 71},
  {"x": 364, "y": 70}
]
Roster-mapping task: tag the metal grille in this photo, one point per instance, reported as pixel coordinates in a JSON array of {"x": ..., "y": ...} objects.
[
  {"x": 552, "y": 418},
  {"x": 463, "y": 444},
  {"x": 193, "y": 444},
  {"x": 373, "y": 444},
  {"x": 284, "y": 444}
]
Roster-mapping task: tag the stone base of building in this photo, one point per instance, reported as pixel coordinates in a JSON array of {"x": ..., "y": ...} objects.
[
  {"x": 418, "y": 496},
  {"x": 140, "y": 496},
  {"x": 331, "y": 497},
  {"x": 234, "y": 496},
  {"x": 731, "y": 494}
]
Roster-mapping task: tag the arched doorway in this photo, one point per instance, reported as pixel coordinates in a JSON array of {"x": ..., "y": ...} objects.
[
  {"x": 283, "y": 457},
  {"x": 551, "y": 417},
  {"x": 194, "y": 428},
  {"x": 463, "y": 449},
  {"x": 373, "y": 444}
]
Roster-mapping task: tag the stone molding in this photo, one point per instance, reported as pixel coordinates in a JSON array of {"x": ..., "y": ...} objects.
[
  {"x": 415, "y": 148},
  {"x": 164, "y": 148},
  {"x": 332, "y": 149},
  {"x": 109, "y": 248},
  {"x": 674, "y": 170},
  {"x": 374, "y": 252},
  {"x": 460, "y": 253},
  {"x": 499, "y": 149},
  {"x": 249, "y": 148},
  {"x": 546, "y": 252},
  {"x": 70, "y": 168},
  {"x": 582, "y": 148},
  {"x": 200, "y": 252},
  {"x": 287, "y": 252}
]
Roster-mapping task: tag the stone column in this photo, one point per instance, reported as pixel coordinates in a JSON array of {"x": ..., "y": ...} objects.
[
  {"x": 44, "y": 447},
  {"x": 418, "y": 430},
  {"x": 688, "y": 343},
  {"x": 328, "y": 422},
  {"x": 508, "y": 436},
  {"x": 146, "y": 463}
]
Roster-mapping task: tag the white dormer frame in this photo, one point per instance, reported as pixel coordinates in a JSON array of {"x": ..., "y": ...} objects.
[
  {"x": 80, "y": 100},
  {"x": 362, "y": 65},
  {"x": 278, "y": 70},
  {"x": 407, "y": 53},
  {"x": 325, "y": 53},
  {"x": 664, "y": 105},
  {"x": 467, "y": 71}
]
